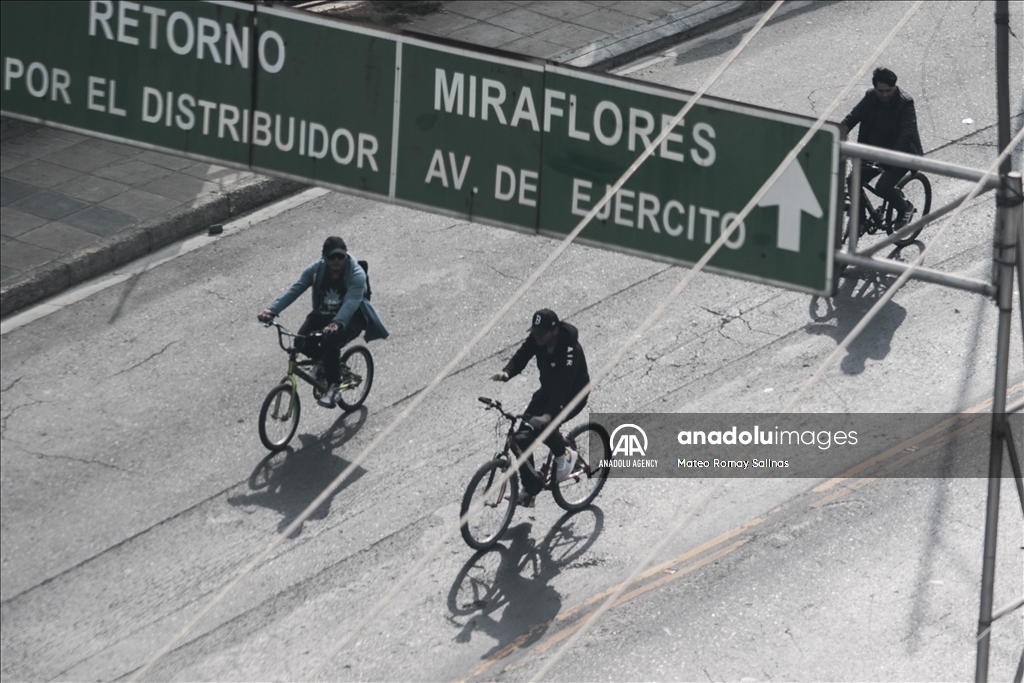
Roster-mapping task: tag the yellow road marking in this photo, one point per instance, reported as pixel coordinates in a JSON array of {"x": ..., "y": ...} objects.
[
  {"x": 905, "y": 460},
  {"x": 718, "y": 540},
  {"x": 885, "y": 455},
  {"x": 508, "y": 649},
  {"x": 570, "y": 629},
  {"x": 572, "y": 612},
  {"x": 567, "y": 614}
]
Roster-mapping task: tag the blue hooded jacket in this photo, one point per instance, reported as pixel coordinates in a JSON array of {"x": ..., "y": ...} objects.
[{"x": 355, "y": 296}]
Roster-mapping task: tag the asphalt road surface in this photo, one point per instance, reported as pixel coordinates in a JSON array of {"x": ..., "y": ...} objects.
[{"x": 134, "y": 485}]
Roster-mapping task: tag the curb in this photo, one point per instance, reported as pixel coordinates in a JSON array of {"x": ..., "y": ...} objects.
[
  {"x": 675, "y": 27},
  {"x": 145, "y": 238}
]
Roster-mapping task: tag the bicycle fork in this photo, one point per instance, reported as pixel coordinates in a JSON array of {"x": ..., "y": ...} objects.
[{"x": 502, "y": 490}]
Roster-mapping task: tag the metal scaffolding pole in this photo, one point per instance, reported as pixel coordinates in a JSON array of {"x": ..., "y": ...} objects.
[
  {"x": 1008, "y": 217},
  {"x": 1006, "y": 259}
]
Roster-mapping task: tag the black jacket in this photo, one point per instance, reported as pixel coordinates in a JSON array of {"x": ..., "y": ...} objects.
[
  {"x": 563, "y": 371},
  {"x": 891, "y": 126}
]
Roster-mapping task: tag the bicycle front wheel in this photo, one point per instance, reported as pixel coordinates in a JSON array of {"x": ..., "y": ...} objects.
[
  {"x": 917, "y": 190},
  {"x": 483, "y": 529},
  {"x": 356, "y": 377},
  {"x": 586, "y": 480},
  {"x": 279, "y": 417}
]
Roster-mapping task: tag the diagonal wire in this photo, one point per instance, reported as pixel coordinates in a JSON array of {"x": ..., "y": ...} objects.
[
  {"x": 421, "y": 396},
  {"x": 591, "y": 620},
  {"x": 418, "y": 566},
  {"x": 726, "y": 233},
  {"x": 978, "y": 188},
  {"x": 628, "y": 582}
]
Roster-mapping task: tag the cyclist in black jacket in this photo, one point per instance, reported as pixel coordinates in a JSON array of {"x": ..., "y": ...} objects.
[
  {"x": 563, "y": 373},
  {"x": 887, "y": 119}
]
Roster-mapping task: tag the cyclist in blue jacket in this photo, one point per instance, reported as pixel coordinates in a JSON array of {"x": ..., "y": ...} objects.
[{"x": 341, "y": 308}]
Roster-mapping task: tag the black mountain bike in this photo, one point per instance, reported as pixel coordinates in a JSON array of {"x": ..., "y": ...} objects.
[
  {"x": 279, "y": 415},
  {"x": 916, "y": 189},
  {"x": 500, "y": 498}
]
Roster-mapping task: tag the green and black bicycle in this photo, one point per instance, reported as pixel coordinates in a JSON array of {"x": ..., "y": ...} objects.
[{"x": 279, "y": 415}]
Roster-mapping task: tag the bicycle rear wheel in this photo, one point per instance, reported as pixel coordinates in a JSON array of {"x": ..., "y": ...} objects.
[
  {"x": 356, "y": 377},
  {"x": 483, "y": 529},
  {"x": 917, "y": 189},
  {"x": 586, "y": 480},
  {"x": 279, "y": 417}
]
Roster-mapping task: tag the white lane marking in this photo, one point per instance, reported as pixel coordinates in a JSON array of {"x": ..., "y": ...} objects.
[{"x": 168, "y": 253}]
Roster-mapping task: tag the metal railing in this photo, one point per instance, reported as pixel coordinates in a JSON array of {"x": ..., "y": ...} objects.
[{"x": 863, "y": 259}]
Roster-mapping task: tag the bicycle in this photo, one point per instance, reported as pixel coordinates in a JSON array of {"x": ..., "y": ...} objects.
[
  {"x": 575, "y": 492},
  {"x": 916, "y": 189},
  {"x": 279, "y": 414}
]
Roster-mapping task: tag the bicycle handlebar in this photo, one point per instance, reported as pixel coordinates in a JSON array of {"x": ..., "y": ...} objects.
[
  {"x": 491, "y": 403},
  {"x": 283, "y": 332}
]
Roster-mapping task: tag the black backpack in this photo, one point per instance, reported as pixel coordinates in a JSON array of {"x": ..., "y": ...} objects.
[{"x": 366, "y": 269}]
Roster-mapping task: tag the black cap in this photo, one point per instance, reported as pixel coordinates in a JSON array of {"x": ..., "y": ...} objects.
[
  {"x": 543, "y": 321},
  {"x": 334, "y": 245}
]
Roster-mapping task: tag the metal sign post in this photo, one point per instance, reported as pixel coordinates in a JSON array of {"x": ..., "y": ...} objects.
[
  {"x": 1006, "y": 258},
  {"x": 1008, "y": 227}
]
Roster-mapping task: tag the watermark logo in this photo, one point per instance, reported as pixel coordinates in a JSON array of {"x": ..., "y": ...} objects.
[{"x": 629, "y": 441}]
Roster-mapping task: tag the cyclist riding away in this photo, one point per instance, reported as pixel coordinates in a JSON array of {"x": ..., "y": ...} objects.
[
  {"x": 563, "y": 373},
  {"x": 887, "y": 119},
  {"x": 341, "y": 308}
]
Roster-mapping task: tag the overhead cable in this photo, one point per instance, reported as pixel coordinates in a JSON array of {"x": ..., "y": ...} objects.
[
  {"x": 666, "y": 130},
  {"x": 700, "y": 264}
]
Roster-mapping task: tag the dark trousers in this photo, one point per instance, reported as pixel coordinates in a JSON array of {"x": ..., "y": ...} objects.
[
  {"x": 555, "y": 441},
  {"x": 327, "y": 348},
  {"x": 886, "y": 185}
]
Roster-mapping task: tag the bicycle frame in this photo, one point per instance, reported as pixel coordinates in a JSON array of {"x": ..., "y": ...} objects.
[
  {"x": 296, "y": 367},
  {"x": 876, "y": 220},
  {"x": 859, "y": 206},
  {"x": 511, "y": 450}
]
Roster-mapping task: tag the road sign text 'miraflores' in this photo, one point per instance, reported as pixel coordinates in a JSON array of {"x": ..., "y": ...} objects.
[
  {"x": 460, "y": 94},
  {"x": 609, "y": 125},
  {"x": 583, "y": 130},
  {"x": 495, "y": 138},
  {"x": 449, "y": 91}
]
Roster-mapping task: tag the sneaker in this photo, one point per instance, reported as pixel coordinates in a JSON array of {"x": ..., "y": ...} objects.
[
  {"x": 564, "y": 464},
  {"x": 904, "y": 220},
  {"x": 526, "y": 500},
  {"x": 330, "y": 397}
]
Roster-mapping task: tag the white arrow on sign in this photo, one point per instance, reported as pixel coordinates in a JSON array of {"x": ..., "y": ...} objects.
[{"x": 792, "y": 194}]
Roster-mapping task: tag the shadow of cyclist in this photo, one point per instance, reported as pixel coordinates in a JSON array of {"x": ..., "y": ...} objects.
[
  {"x": 289, "y": 480},
  {"x": 504, "y": 591},
  {"x": 854, "y": 298}
]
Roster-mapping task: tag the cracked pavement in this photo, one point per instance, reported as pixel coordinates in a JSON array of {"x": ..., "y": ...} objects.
[{"x": 101, "y": 566}]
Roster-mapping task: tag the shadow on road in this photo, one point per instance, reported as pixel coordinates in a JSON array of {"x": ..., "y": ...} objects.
[
  {"x": 505, "y": 593},
  {"x": 837, "y": 316},
  {"x": 289, "y": 480}
]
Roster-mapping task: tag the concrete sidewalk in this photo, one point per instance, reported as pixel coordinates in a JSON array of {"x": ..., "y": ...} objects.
[{"x": 74, "y": 207}]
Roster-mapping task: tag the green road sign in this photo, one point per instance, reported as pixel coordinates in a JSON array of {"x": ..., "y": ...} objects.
[
  {"x": 459, "y": 126},
  {"x": 488, "y": 136},
  {"x": 696, "y": 182}
]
